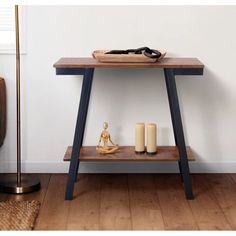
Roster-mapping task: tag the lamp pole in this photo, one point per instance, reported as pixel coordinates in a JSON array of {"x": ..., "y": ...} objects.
[
  {"x": 20, "y": 183},
  {"x": 18, "y": 101}
]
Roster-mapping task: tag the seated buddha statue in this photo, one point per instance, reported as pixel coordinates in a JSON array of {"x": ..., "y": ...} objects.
[{"x": 105, "y": 138}]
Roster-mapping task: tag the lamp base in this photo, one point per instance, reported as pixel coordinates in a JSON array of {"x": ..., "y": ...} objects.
[{"x": 8, "y": 184}]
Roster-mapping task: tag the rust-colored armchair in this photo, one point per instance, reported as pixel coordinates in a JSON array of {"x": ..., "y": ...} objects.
[{"x": 2, "y": 111}]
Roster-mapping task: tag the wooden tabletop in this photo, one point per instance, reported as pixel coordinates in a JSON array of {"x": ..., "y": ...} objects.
[{"x": 88, "y": 62}]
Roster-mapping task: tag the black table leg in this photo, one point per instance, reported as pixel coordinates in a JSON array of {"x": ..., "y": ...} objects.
[
  {"x": 178, "y": 130},
  {"x": 87, "y": 76},
  {"x": 79, "y": 131},
  {"x": 173, "y": 123}
]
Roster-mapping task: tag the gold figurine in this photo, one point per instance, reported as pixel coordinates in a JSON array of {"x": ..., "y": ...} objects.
[{"x": 106, "y": 138}]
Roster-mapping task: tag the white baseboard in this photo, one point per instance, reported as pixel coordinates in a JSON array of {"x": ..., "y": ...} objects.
[{"x": 119, "y": 167}]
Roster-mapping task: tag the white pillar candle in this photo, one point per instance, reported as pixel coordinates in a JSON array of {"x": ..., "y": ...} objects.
[
  {"x": 140, "y": 138},
  {"x": 151, "y": 138}
]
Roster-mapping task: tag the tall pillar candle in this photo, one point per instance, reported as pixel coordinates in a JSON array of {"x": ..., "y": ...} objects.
[
  {"x": 140, "y": 138},
  {"x": 151, "y": 139}
]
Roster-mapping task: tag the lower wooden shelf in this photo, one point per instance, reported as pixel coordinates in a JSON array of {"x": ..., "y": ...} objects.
[{"x": 127, "y": 153}]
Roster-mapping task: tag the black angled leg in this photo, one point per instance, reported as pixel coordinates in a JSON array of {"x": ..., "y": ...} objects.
[
  {"x": 178, "y": 130},
  {"x": 173, "y": 123},
  {"x": 79, "y": 131},
  {"x": 89, "y": 77}
]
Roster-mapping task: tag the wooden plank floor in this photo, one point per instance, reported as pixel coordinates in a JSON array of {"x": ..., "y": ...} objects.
[{"x": 135, "y": 202}]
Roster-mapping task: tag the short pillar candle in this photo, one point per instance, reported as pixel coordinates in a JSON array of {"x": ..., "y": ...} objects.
[
  {"x": 140, "y": 138},
  {"x": 151, "y": 139}
]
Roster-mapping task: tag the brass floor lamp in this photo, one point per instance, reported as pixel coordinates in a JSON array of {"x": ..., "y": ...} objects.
[{"x": 18, "y": 183}]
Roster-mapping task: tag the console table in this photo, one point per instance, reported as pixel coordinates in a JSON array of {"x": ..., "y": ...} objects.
[{"x": 179, "y": 153}]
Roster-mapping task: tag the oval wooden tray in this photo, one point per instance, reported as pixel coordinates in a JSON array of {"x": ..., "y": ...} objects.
[{"x": 131, "y": 57}]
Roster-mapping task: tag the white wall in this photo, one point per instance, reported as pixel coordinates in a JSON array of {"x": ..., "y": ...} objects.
[{"x": 123, "y": 97}]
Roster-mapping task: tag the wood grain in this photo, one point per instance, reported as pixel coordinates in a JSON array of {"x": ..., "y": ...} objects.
[
  {"x": 115, "y": 209},
  {"x": 176, "y": 213},
  {"x": 54, "y": 210},
  {"x": 130, "y": 203},
  {"x": 93, "y": 63},
  {"x": 127, "y": 153},
  {"x": 144, "y": 204},
  {"x": 233, "y": 176},
  {"x": 224, "y": 189},
  {"x": 84, "y": 212},
  {"x": 205, "y": 207}
]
